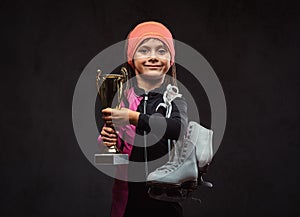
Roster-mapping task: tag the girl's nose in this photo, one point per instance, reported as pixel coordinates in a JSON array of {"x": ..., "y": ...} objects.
[{"x": 152, "y": 59}]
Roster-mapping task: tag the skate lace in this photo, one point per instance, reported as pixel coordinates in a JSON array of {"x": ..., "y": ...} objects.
[
  {"x": 170, "y": 94},
  {"x": 170, "y": 166}
]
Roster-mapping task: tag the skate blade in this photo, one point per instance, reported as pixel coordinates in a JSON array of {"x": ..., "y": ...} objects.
[
  {"x": 171, "y": 195},
  {"x": 171, "y": 192},
  {"x": 192, "y": 184}
]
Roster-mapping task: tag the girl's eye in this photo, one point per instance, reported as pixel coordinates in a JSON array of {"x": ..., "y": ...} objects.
[
  {"x": 162, "y": 51},
  {"x": 143, "y": 51}
]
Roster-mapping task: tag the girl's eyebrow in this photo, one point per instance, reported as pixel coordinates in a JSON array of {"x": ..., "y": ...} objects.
[
  {"x": 144, "y": 46},
  {"x": 148, "y": 47}
]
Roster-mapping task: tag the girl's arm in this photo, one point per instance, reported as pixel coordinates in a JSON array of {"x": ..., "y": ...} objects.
[{"x": 173, "y": 126}]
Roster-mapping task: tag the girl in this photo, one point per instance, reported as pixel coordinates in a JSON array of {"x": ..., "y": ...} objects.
[{"x": 150, "y": 63}]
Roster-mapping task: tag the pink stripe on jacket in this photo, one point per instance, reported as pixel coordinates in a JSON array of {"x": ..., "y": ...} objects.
[{"x": 127, "y": 134}]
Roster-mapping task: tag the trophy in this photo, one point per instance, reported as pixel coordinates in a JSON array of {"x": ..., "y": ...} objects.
[{"x": 110, "y": 89}]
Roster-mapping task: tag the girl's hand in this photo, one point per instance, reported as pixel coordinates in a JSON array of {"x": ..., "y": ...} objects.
[
  {"x": 108, "y": 136},
  {"x": 120, "y": 117}
]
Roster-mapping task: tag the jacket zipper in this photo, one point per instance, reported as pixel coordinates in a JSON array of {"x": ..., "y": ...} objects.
[{"x": 145, "y": 135}]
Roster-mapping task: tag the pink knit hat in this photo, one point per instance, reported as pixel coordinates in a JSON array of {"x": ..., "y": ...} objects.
[{"x": 150, "y": 29}]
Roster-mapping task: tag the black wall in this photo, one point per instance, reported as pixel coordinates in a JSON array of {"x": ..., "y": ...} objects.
[{"x": 253, "y": 48}]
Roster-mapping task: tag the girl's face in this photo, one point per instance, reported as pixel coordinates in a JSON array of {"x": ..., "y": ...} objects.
[{"x": 152, "y": 59}]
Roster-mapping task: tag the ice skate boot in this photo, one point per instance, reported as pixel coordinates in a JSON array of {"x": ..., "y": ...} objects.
[
  {"x": 202, "y": 139},
  {"x": 175, "y": 180},
  {"x": 204, "y": 150}
]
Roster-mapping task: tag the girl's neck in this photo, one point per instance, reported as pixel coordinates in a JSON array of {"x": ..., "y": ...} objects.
[{"x": 149, "y": 84}]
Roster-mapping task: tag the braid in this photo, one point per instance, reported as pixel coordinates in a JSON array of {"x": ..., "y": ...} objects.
[
  {"x": 174, "y": 80},
  {"x": 172, "y": 73}
]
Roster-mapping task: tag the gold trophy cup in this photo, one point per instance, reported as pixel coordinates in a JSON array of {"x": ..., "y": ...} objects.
[{"x": 110, "y": 89}]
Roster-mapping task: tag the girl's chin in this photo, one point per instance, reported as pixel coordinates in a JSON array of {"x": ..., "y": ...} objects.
[{"x": 152, "y": 75}]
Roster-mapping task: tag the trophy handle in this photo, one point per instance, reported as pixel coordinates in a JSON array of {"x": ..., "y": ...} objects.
[
  {"x": 125, "y": 77},
  {"x": 99, "y": 72}
]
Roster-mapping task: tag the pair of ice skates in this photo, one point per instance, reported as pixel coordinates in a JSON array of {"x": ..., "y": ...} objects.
[{"x": 183, "y": 173}]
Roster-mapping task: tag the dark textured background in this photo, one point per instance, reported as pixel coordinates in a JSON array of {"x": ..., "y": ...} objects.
[{"x": 253, "y": 48}]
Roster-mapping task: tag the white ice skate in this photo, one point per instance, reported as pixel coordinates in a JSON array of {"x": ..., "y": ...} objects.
[{"x": 189, "y": 160}]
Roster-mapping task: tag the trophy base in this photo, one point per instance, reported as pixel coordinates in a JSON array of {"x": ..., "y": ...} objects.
[{"x": 111, "y": 159}]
